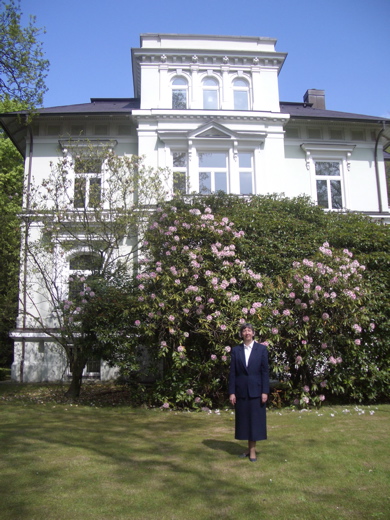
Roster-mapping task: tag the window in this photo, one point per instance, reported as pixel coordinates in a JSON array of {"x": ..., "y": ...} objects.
[
  {"x": 81, "y": 266},
  {"x": 241, "y": 94},
  {"x": 87, "y": 183},
  {"x": 245, "y": 173},
  {"x": 328, "y": 184},
  {"x": 210, "y": 93},
  {"x": 212, "y": 172},
  {"x": 179, "y": 93},
  {"x": 179, "y": 172}
]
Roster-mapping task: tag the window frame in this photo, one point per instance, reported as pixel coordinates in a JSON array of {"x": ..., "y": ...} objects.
[
  {"x": 184, "y": 87},
  {"x": 246, "y": 169},
  {"x": 239, "y": 89},
  {"x": 328, "y": 178},
  {"x": 211, "y": 88},
  {"x": 180, "y": 173},
  {"x": 83, "y": 202},
  {"x": 213, "y": 171}
]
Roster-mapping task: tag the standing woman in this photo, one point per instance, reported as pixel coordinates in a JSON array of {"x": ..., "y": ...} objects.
[{"x": 249, "y": 389}]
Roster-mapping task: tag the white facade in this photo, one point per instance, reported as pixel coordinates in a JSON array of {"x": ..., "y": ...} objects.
[{"x": 208, "y": 108}]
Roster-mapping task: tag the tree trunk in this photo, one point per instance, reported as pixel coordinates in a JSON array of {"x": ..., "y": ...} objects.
[{"x": 77, "y": 366}]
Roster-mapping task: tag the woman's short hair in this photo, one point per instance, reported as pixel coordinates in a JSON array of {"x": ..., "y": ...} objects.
[{"x": 246, "y": 326}]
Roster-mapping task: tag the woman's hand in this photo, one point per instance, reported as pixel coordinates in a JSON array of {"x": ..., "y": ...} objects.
[
  {"x": 232, "y": 399},
  {"x": 264, "y": 398}
]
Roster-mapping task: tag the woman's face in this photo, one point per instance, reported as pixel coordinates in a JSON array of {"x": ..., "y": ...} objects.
[{"x": 247, "y": 334}]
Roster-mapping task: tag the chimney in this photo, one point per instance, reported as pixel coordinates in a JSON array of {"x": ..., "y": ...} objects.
[{"x": 315, "y": 97}]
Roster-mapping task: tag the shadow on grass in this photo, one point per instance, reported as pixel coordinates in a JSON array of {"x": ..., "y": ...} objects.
[{"x": 232, "y": 448}]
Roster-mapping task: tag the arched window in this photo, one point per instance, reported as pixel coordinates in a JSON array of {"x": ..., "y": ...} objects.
[
  {"x": 179, "y": 93},
  {"x": 241, "y": 94},
  {"x": 210, "y": 93}
]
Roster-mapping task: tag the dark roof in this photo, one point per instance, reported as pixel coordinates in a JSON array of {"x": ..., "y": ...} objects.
[
  {"x": 307, "y": 111},
  {"x": 96, "y": 106},
  {"x": 14, "y": 123},
  {"x": 16, "y": 129}
]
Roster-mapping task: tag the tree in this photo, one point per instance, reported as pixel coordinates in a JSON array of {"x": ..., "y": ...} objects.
[
  {"x": 194, "y": 290},
  {"x": 11, "y": 188},
  {"x": 23, "y": 68},
  {"x": 90, "y": 222}
]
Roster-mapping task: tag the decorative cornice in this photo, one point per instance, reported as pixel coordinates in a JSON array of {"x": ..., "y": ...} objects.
[
  {"x": 203, "y": 115},
  {"x": 209, "y": 59}
]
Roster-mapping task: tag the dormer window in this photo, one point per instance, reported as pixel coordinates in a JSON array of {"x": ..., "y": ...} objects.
[
  {"x": 210, "y": 94},
  {"x": 241, "y": 94},
  {"x": 179, "y": 93}
]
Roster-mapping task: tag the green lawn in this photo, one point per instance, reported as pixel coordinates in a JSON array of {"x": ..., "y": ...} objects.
[{"x": 79, "y": 462}]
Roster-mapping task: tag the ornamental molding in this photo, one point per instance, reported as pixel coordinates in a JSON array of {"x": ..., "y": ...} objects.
[
  {"x": 338, "y": 150},
  {"x": 207, "y": 59}
]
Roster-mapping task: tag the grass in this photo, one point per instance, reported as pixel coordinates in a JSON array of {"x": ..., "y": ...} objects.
[{"x": 102, "y": 459}]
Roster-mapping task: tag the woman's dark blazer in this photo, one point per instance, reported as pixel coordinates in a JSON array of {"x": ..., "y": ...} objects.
[{"x": 251, "y": 380}]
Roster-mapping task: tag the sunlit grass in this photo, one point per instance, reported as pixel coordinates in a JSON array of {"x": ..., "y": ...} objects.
[{"x": 66, "y": 461}]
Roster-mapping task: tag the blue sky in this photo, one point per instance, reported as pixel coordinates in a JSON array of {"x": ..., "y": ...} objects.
[{"x": 340, "y": 46}]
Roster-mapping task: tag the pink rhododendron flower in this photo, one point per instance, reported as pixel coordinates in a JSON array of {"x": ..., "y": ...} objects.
[
  {"x": 298, "y": 360},
  {"x": 165, "y": 405},
  {"x": 137, "y": 323},
  {"x": 274, "y": 330},
  {"x": 190, "y": 391},
  {"x": 322, "y": 397},
  {"x": 228, "y": 349},
  {"x": 325, "y": 316},
  {"x": 213, "y": 357},
  {"x": 306, "y": 388},
  {"x": 357, "y": 342},
  {"x": 306, "y": 319}
]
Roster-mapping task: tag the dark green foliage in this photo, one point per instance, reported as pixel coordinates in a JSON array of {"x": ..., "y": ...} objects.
[
  {"x": 278, "y": 231},
  {"x": 11, "y": 188}
]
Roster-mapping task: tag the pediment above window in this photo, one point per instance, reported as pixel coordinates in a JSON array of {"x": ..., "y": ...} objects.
[{"x": 212, "y": 131}]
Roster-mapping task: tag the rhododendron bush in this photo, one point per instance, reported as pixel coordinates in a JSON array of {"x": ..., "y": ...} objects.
[{"x": 193, "y": 292}]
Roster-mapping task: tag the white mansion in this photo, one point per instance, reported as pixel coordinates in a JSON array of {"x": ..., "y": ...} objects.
[{"x": 208, "y": 108}]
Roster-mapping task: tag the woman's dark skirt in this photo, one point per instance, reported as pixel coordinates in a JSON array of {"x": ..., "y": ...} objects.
[{"x": 251, "y": 421}]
